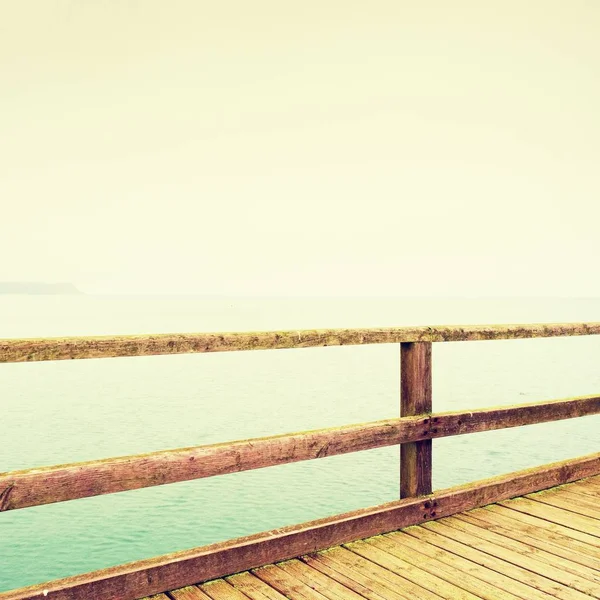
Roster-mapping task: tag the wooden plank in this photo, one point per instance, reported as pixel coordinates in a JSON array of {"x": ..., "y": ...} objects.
[
  {"x": 318, "y": 581},
  {"x": 415, "y": 399},
  {"x": 253, "y": 587},
  {"x": 452, "y": 575},
  {"x": 582, "y": 541},
  {"x": 466, "y": 567},
  {"x": 518, "y": 552},
  {"x": 34, "y": 487},
  {"x": 576, "y": 497},
  {"x": 584, "y": 500},
  {"x": 586, "y": 492},
  {"x": 361, "y": 584},
  {"x": 288, "y": 585},
  {"x": 532, "y": 536},
  {"x": 38, "y": 349},
  {"x": 150, "y": 576},
  {"x": 555, "y": 515},
  {"x": 417, "y": 575},
  {"x": 376, "y": 573},
  {"x": 589, "y": 487},
  {"x": 188, "y": 593},
  {"x": 578, "y": 588},
  {"x": 503, "y": 417},
  {"x": 567, "y": 503},
  {"x": 221, "y": 590},
  {"x": 520, "y": 574}
]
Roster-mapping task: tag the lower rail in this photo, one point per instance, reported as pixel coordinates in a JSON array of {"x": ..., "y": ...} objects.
[{"x": 46, "y": 485}]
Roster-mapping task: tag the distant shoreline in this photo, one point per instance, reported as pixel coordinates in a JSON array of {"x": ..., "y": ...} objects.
[{"x": 35, "y": 288}]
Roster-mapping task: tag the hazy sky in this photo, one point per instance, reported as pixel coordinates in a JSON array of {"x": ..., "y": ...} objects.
[{"x": 314, "y": 147}]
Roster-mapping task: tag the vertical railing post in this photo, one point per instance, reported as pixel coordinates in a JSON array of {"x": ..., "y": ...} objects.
[{"x": 415, "y": 399}]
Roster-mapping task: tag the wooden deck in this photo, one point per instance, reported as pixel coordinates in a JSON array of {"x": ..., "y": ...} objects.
[{"x": 542, "y": 545}]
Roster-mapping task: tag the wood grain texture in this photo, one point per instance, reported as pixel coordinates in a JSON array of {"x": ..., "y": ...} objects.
[
  {"x": 38, "y": 349},
  {"x": 553, "y": 567},
  {"x": 368, "y": 587},
  {"x": 160, "y": 574},
  {"x": 447, "y": 562},
  {"x": 189, "y": 593},
  {"x": 221, "y": 590},
  {"x": 555, "y": 514},
  {"x": 416, "y": 574},
  {"x": 583, "y": 542},
  {"x": 536, "y": 537},
  {"x": 517, "y": 572},
  {"x": 415, "y": 399},
  {"x": 287, "y": 584},
  {"x": 459, "y": 578},
  {"x": 468, "y": 524},
  {"x": 253, "y": 587},
  {"x": 34, "y": 487},
  {"x": 389, "y": 580},
  {"x": 317, "y": 581}
]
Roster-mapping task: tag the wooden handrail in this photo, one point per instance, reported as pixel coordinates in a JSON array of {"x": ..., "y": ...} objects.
[
  {"x": 25, "y": 350},
  {"x": 45, "y": 485}
]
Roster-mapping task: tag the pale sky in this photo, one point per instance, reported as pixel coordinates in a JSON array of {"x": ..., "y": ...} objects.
[{"x": 318, "y": 147}]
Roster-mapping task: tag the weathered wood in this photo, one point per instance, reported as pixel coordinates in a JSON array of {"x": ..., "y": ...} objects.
[
  {"x": 388, "y": 580},
  {"x": 572, "y": 585},
  {"x": 459, "y": 578},
  {"x": 288, "y": 585},
  {"x": 416, "y": 574},
  {"x": 221, "y": 590},
  {"x": 155, "y": 575},
  {"x": 364, "y": 585},
  {"x": 586, "y": 488},
  {"x": 560, "y": 516},
  {"x": 415, "y": 399},
  {"x": 586, "y": 510},
  {"x": 45, "y": 485},
  {"x": 317, "y": 581},
  {"x": 534, "y": 538},
  {"x": 253, "y": 587},
  {"x": 522, "y": 575},
  {"x": 433, "y": 556},
  {"x": 584, "y": 542},
  {"x": 189, "y": 593},
  {"x": 503, "y": 417},
  {"x": 37, "y": 349},
  {"x": 577, "y": 503},
  {"x": 516, "y": 551},
  {"x": 32, "y": 487}
]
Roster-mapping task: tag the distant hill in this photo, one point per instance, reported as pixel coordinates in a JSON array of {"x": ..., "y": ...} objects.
[{"x": 36, "y": 288}]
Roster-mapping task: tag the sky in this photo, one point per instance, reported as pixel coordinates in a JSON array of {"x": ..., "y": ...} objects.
[{"x": 322, "y": 147}]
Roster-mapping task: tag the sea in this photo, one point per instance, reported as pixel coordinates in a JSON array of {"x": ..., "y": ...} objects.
[{"x": 67, "y": 411}]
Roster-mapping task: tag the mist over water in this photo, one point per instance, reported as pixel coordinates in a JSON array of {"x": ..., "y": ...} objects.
[{"x": 58, "y": 412}]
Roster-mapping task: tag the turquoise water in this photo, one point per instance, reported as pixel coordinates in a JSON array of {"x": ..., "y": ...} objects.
[{"x": 71, "y": 411}]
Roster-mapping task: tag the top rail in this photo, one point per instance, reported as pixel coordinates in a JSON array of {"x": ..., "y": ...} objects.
[{"x": 42, "y": 349}]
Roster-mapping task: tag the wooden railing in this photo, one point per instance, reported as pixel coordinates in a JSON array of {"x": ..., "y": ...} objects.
[{"x": 413, "y": 431}]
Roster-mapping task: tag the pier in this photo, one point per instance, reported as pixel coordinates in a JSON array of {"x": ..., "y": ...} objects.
[{"x": 527, "y": 534}]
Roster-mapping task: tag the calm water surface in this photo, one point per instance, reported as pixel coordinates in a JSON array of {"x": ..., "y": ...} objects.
[{"x": 70, "y": 411}]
